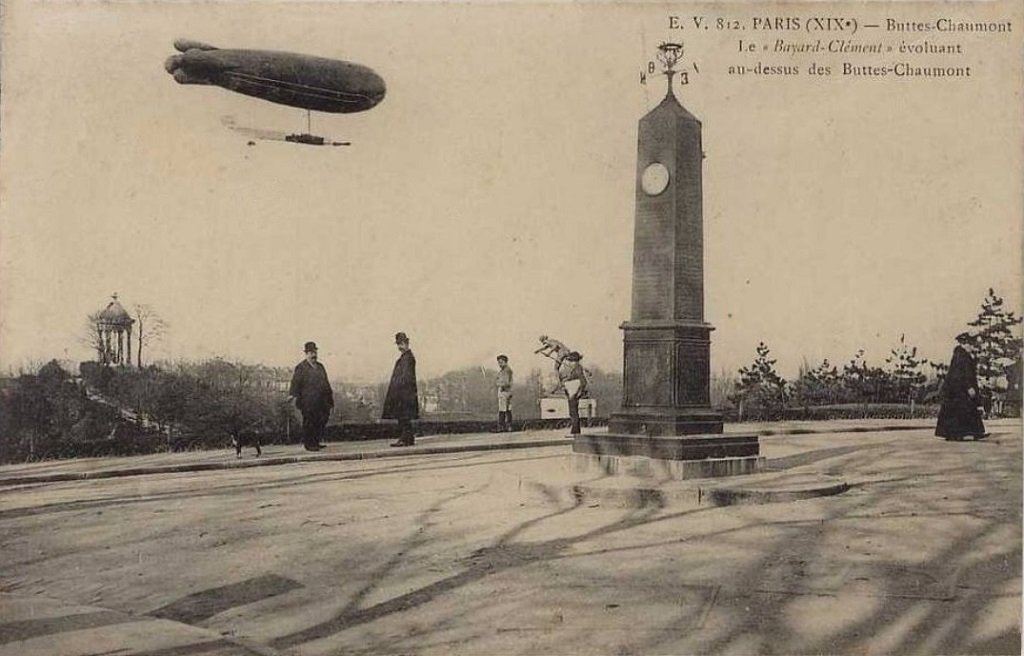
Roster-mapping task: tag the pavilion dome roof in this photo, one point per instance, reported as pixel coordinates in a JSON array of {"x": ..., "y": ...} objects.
[{"x": 115, "y": 314}]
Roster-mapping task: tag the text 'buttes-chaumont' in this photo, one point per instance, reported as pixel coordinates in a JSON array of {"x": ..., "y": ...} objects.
[{"x": 947, "y": 25}]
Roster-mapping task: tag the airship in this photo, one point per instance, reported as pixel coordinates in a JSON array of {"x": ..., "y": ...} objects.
[{"x": 304, "y": 81}]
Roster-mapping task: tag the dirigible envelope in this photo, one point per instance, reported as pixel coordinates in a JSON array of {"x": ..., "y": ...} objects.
[{"x": 316, "y": 83}]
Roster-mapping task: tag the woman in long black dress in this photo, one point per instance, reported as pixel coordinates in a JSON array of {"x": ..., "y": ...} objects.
[{"x": 959, "y": 415}]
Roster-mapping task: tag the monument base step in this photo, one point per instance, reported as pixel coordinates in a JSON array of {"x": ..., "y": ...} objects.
[
  {"x": 668, "y": 447},
  {"x": 665, "y": 424},
  {"x": 663, "y": 469},
  {"x": 627, "y": 492}
]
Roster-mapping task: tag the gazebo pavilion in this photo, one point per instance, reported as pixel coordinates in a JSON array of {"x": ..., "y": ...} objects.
[{"x": 114, "y": 330}]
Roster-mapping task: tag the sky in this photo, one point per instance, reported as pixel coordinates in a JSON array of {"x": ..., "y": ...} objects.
[{"x": 489, "y": 198}]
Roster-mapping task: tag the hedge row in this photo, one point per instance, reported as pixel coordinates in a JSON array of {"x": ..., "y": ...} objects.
[
  {"x": 131, "y": 440},
  {"x": 354, "y": 432},
  {"x": 843, "y": 411}
]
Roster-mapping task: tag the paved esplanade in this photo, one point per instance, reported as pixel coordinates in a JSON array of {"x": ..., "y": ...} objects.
[{"x": 483, "y": 552}]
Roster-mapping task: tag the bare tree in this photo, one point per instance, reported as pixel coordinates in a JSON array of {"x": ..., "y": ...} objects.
[
  {"x": 92, "y": 337},
  {"x": 151, "y": 328}
]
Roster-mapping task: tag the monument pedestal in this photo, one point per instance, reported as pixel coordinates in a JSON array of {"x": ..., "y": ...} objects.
[
  {"x": 666, "y": 380},
  {"x": 658, "y": 422},
  {"x": 667, "y": 428}
]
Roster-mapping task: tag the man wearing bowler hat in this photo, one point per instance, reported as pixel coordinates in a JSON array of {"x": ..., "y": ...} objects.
[
  {"x": 402, "y": 402},
  {"x": 313, "y": 397}
]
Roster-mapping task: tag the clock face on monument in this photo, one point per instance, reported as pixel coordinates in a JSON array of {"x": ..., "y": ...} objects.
[{"x": 654, "y": 179}]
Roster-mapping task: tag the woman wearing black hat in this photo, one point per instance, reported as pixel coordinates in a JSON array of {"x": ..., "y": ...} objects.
[
  {"x": 959, "y": 415},
  {"x": 402, "y": 402}
]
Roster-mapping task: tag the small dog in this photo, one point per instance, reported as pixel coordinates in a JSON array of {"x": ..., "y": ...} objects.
[{"x": 239, "y": 439}]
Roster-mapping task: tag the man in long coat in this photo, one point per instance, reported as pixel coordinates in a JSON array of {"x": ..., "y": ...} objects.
[
  {"x": 313, "y": 397},
  {"x": 402, "y": 400},
  {"x": 959, "y": 415}
]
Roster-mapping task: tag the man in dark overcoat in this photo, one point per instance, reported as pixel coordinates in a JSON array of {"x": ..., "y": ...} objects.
[
  {"x": 402, "y": 402},
  {"x": 313, "y": 397}
]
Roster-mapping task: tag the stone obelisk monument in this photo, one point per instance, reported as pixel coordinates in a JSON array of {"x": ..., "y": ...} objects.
[{"x": 666, "y": 410}]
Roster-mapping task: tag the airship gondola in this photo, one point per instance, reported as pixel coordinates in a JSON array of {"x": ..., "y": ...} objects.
[{"x": 304, "y": 81}]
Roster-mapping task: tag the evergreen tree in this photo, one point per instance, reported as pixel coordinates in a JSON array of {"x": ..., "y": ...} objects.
[
  {"x": 760, "y": 386},
  {"x": 905, "y": 371},
  {"x": 864, "y": 382},
  {"x": 998, "y": 340},
  {"x": 820, "y": 385}
]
